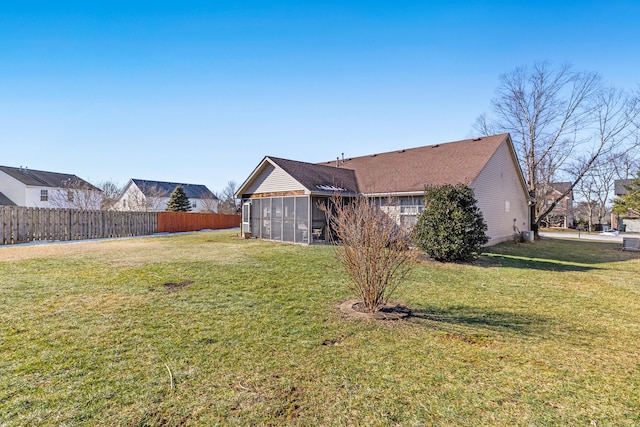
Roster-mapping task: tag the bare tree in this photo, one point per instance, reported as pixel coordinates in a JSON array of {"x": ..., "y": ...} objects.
[
  {"x": 228, "y": 203},
  {"x": 209, "y": 203},
  {"x": 75, "y": 193},
  {"x": 372, "y": 248},
  {"x": 110, "y": 193},
  {"x": 561, "y": 122},
  {"x": 627, "y": 164},
  {"x": 596, "y": 187},
  {"x": 154, "y": 199}
]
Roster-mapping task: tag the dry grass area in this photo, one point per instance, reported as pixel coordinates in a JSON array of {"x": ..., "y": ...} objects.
[{"x": 208, "y": 329}]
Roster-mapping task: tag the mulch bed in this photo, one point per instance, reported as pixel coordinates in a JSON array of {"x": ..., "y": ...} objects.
[{"x": 355, "y": 308}]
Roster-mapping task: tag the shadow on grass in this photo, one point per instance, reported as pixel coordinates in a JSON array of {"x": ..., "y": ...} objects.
[
  {"x": 469, "y": 316},
  {"x": 531, "y": 263},
  {"x": 556, "y": 255}
]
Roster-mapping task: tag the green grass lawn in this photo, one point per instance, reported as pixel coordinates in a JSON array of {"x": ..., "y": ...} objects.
[{"x": 209, "y": 329}]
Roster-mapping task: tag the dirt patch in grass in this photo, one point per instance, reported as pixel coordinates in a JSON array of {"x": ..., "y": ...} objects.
[{"x": 174, "y": 287}]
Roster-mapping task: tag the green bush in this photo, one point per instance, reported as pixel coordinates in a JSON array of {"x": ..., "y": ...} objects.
[{"x": 451, "y": 227}]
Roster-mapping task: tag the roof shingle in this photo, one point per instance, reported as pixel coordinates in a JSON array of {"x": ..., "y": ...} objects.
[
  {"x": 43, "y": 178},
  {"x": 164, "y": 189},
  {"x": 5, "y": 201},
  {"x": 319, "y": 178},
  {"x": 619, "y": 186},
  {"x": 409, "y": 170}
]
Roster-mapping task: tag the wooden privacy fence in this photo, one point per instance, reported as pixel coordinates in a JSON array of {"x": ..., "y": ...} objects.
[
  {"x": 173, "y": 222},
  {"x": 21, "y": 225}
]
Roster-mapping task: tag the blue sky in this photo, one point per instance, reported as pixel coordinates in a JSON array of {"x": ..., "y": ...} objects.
[{"x": 200, "y": 92}]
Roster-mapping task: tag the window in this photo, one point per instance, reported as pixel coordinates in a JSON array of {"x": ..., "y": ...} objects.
[
  {"x": 44, "y": 195},
  {"x": 69, "y": 196},
  {"x": 411, "y": 206},
  {"x": 194, "y": 205}
]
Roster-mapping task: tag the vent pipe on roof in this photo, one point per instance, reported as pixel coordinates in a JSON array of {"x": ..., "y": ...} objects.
[{"x": 337, "y": 161}]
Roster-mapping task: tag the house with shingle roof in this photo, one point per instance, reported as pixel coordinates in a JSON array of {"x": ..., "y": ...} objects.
[
  {"x": 153, "y": 196},
  {"x": 562, "y": 214},
  {"x": 282, "y": 198},
  {"x": 630, "y": 220},
  {"x": 42, "y": 189}
]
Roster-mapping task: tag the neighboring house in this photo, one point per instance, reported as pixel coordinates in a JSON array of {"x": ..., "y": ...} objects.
[
  {"x": 282, "y": 198},
  {"x": 41, "y": 189},
  {"x": 5, "y": 201},
  {"x": 562, "y": 214},
  {"x": 153, "y": 196},
  {"x": 629, "y": 220}
]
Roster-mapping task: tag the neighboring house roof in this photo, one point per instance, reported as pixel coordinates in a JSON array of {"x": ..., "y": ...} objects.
[
  {"x": 630, "y": 214},
  {"x": 409, "y": 170},
  {"x": 561, "y": 187},
  {"x": 164, "y": 189},
  {"x": 5, "y": 201},
  {"x": 38, "y": 178},
  {"x": 619, "y": 186}
]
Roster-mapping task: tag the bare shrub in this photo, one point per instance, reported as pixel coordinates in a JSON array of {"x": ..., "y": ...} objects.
[
  {"x": 75, "y": 193},
  {"x": 371, "y": 247}
]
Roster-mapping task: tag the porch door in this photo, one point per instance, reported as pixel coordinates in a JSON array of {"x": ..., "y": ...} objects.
[{"x": 246, "y": 218}]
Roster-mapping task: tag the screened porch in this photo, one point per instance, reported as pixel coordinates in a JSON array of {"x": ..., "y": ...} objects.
[{"x": 295, "y": 219}]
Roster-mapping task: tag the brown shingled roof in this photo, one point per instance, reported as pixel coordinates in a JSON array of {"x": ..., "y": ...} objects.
[
  {"x": 560, "y": 186},
  {"x": 411, "y": 169},
  {"x": 319, "y": 178}
]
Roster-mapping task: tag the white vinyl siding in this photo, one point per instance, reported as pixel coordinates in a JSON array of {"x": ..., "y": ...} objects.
[
  {"x": 501, "y": 196},
  {"x": 13, "y": 189},
  {"x": 633, "y": 225}
]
